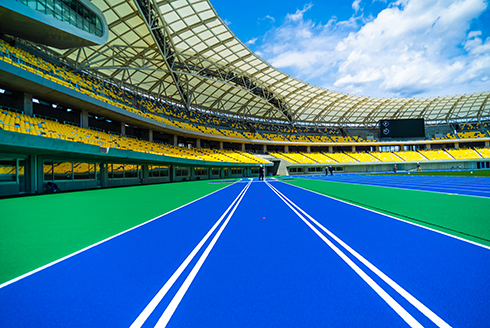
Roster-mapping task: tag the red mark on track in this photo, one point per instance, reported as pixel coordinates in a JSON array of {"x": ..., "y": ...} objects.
[{"x": 263, "y": 218}]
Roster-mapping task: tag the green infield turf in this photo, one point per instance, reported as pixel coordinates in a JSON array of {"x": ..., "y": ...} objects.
[
  {"x": 37, "y": 230},
  {"x": 474, "y": 173},
  {"x": 462, "y": 216}
]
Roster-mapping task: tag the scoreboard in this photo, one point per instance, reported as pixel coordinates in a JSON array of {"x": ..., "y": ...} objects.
[{"x": 407, "y": 128}]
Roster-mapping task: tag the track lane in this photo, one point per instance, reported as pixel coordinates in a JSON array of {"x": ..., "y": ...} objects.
[
  {"x": 270, "y": 270},
  {"x": 441, "y": 271},
  {"x": 469, "y": 186},
  {"x": 109, "y": 285}
]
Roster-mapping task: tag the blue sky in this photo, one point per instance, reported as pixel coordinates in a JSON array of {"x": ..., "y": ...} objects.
[{"x": 403, "y": 48}]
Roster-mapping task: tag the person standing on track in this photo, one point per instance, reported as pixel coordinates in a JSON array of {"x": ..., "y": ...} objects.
[
  {"x": 394, "y": 168},
  {"x": 330, "y": 169},
  {"x": 261, "y": 173},
  {"x": 326, "y": 171},
  {"x": 418, "y": 167}
]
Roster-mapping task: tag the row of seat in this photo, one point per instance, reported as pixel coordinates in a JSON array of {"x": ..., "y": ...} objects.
[
  {"x": 179, "y": 117},
  {"x": 373, "y": 157},
  {"x": 17, "y": 122}
]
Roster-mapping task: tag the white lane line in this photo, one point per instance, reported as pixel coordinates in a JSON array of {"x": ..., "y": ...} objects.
[
  {"x": 169, "y": 311},
  {"x": 148, "y": 310},
  {"x": 415, "y": 302},
  {"x": 407, "y": 317},
  {"x": 103, "y": 241},
  {"x": 393, "y": 217}
]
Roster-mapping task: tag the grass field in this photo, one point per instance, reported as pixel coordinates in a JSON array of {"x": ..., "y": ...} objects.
[{"x": 37, "y": 230}]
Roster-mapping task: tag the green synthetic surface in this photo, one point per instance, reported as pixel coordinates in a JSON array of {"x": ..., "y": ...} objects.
[
  {"x": 463, "y": 216},
  {"x": 37, "y": 230}
]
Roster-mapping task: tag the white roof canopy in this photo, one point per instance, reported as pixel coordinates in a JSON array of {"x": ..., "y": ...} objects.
[{"x": 203, "y": 65}]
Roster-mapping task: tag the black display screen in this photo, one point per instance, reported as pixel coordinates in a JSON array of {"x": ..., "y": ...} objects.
[{"x": 413, "y": 128}]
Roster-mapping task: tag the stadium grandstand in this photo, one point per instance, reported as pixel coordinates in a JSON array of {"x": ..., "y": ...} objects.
[{"x": 123, "y": 92}]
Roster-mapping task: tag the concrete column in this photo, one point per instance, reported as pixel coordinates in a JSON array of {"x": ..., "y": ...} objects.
[
  {"x": 456, "y": 145},
  {"x": 171, "y": 173},
  {"x": 330, "y": 149},
  {"x": 198, "y": 143},
  {"x": 150, "y": 135},
  {"x": 84, "y": 119},
  {"x": 176, "y": 140},
  {"x": 123, "y": 128},
  {"x": 221, "y": 145},
  {"x": 487, "y": 143},
  {"x": 428, "y": 147},
  {"x": 103, "y": 175},
  {"x": 376, "y": 147},
  {"x": 286, "y": 149},
  {"x": 265, "y": 149},
  {"x": 243, "y": 147},
  {"x": 308, "y": 149},
  {"x": 39, "y": 176},
  {"x": 27, "y": 105},
  {"x": 31, "y": 173},
  {"x": 145, "y": 172}
]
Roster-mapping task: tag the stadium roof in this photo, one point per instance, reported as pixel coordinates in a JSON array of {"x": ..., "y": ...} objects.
[{"x": 182, "y": 50}]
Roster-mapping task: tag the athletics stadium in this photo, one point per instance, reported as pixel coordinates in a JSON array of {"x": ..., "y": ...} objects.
[{"x": 132, "y": 133}]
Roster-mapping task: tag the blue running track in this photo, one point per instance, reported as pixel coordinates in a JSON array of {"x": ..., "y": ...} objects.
[
  {"x": 261, "y": 254},
  {"x": 470, "y": 186}
]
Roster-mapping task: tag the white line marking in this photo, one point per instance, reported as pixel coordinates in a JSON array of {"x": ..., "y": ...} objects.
[
  {"x": 101, "y": 242},
  {"x": 169, "y": 311},
  {"x": 393, "y": 217},
  {"x": 147, "y": 311},
  {"x": 407, "y": 317},
  {"x": 415, "y": 302}
]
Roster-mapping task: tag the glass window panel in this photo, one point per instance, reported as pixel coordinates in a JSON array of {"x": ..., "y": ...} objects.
[
  {"x": 117, "y": 171},
  {"x": 48, "y": 171},
  {"x": 21, "y": 173},
  {"x": 84, "y": 171},
  {"x": 8, "y": 170},
  {"x": 63, "y": 170},
  {"x": 131, "y": 171}
]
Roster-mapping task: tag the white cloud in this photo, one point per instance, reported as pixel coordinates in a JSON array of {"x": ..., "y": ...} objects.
[
  {"x": 251, "y": 41},
  {"x": 271, "y": 18},
  {"x": 298, "y": 16},
  {"x": 413, "y": 47},
  {"x": 356, "y": 6},
  {"x": 227, "y": 22}
]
